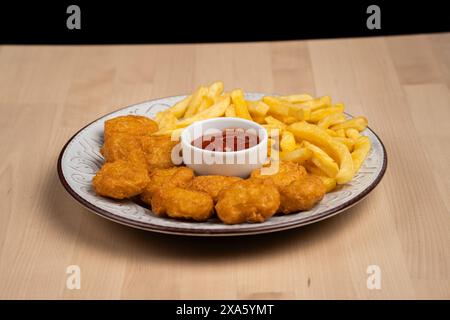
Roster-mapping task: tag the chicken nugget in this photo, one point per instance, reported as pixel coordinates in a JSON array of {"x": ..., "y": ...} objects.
[
  {"x": 301, "y": 194},
  {"x": 212, "y": 185},
  {"x": 131, "y": 125},
  {"x": 158, "y": 151},
  {"x": 287, "y": 172},
  {"x": 120, "y": 179},
  {"x": 122, "y": 146},
  {"x": 181, "y": 203},
  {"x": 173, "y": 177},
  {"x": 252, "y": 200}
]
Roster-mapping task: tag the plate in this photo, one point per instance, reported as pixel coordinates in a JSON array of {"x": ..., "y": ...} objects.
[{"x": 80, "y": 159}]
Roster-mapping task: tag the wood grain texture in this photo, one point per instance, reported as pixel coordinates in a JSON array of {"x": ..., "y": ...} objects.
[{"x": 400, "y": 83}]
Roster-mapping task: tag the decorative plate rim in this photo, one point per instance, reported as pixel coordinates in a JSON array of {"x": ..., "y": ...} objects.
[{"x": 244, "y": 230}]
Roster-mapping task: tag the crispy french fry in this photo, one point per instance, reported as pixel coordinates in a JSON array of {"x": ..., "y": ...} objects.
[
  {"x": 352, "y": 134},
  {"x": 216, "y": 110},
  {"x": 322, "y": 160},
  {"x": 230, "y": 111},
  {"x": 330, "y": 183},
  {"x": 312, "y": 168},
  {"x": 237, "y": 98},
  {"x": 215, "y": 89},
  {"x": 166, "y": 119},
  {"x": 318, "y": 103},
  {"x": 205, "y": 104},
  {"x": 287, "y": 142},
  {"x": 259, "y": 119},
  {"x": 297, "y": 155},
  {"x": 330, "y": 120},
  {"x": 322, "y": 113},
  {"x": 340, "y": 133},
  {"x": 337, "y": 151},
  {"x": 257, "y": 108},
  {"x": 179, "y": 108},
  {"x": 358, "y": 123},
  {"x": 169, "y": 132},
  {"x": 275, "y": 122},
  {"x": 360, "y": 151},
  {"x": 297, "y": 98},
  {"x": 331, "y": 133},
  {"x": 276, "y": 107},
  {"x": 196, "y": 100},
  {"x": 349, "y": 143}
]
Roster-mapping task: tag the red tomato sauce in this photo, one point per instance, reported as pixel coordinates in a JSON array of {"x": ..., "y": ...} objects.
[{"x": 231, "y": 139}]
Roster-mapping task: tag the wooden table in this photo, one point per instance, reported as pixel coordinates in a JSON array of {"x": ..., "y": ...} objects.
[{"x": 400, "y": 83}]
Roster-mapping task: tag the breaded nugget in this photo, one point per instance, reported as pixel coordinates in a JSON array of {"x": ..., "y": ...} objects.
[
  {"x": 158, "y": 151},
  {"x": 301, "y": 194},
  {"x": 120, "y": 179},
  {"x": 122, "y": 146},
  {"x": 287, "y": 172},
  {"x": 182, "y": 204},
  {"x": 212, "y": 185},
  {"x": 252, "y": 200},
  {"x": 171, "y": 177},
  {"x": 131, "y": 125}
]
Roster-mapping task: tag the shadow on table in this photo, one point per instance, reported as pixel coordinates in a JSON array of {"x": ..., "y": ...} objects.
[{"x": 90, "y": 230}]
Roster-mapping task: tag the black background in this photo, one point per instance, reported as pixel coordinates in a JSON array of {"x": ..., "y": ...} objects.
[{"x": 128, "y": 22}]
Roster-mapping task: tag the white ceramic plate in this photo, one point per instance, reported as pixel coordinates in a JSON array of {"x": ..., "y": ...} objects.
[{"x": 80, "y": 159}]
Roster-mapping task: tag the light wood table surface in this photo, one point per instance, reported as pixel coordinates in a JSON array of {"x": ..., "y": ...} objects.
[{"x": 400, "y": 83}]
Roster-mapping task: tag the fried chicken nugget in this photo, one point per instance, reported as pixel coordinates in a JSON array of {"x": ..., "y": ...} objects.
[
  {"x": 120, "y": 179},
  {"x": 287, "y": 172},
  {"x": 301, "y": 194},
  {"x": 131, "y": 125},
  {"x": 181, "y": 203},
  {"x": 252, "y": 200},
  {"x": 212, "y": 185},
  {"x": 121, "y": 146},
  {"x": 171, "y": 177},
  {"x": 158, "y": 151}
]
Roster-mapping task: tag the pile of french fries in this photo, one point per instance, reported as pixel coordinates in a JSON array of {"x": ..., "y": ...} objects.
[{"x": 301, "y": 128}]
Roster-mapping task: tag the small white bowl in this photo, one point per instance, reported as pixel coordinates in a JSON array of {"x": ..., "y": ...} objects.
[{"x": 227, "y": 163}]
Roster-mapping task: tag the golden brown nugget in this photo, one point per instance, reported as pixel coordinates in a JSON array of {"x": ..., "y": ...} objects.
[
  {"x": 252, "y": 200},
  {"x": 171, "y": 177},
  {"x": 131, "y": 125},
  {"x": 287, "y": 172},
  {"x": 120, "y": 179},
  {"x": 158, "y": 151},
  {"x": 212, "y": 185},
  {"x": 301, "y": 194},
  {"x": 123, "y": 147},
  {"x": 181, "y": 203}
]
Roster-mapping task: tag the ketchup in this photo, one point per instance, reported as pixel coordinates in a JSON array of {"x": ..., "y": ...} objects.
[{"x": 231, "y": 139}]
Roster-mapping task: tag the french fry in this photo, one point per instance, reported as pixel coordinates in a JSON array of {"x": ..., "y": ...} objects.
[
  {"x": 337, "y": 151},
  {"x": 340, "y": 133},
  {"x": 330, "y": 183},
  {"x": 179, "y": 108},
  {"x": 297, "y": 98},
  {"x": 216, "y": 110},
  {"x": 237, "y": 98},
  {"x": 330, "y": 120},
  {"x": 322, "y": 113},
  {"x": 318, "y": 103},
  {"x": 257, "y": 108},
  {"x": 275, "y": 122},
  {"x": 312, "y": 168},
  {"x": 166, "y": 119},
  {"x": 230, "y": 111},
  {"x": 331, "y": 133},
  {"x": 215, "y": 89},
  {"x": 205, "y": 104},
  {"x": 276, "y": 107},
  {"x": 349, "y": 143},
  {"x": 287, "y": 142},
  {"x": 358, "y": 123},
  {"x": 259, "y": 119},
  {"x": 322, "y": 160},
  {"x": 352, "y": 134},
  {"x": 360, "y": 151},
  {"x": 273, "y": 130},
  {"x": 196, "y": 100},
  {"x": 299, "y": 155}
]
